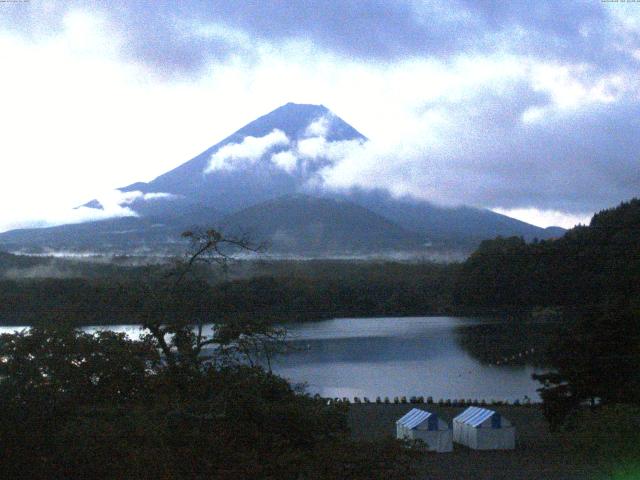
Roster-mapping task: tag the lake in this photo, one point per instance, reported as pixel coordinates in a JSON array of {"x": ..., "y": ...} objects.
[
  {"x": 421, "y": 356},
  {"x": 441, "y": 357}
]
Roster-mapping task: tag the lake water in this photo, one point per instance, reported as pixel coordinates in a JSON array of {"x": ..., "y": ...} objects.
[
  {"x": 428, "y": 356},
  {"x": 441, "y": 357}
]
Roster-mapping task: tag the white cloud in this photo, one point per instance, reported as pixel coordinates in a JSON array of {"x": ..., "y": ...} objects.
[
  {"x": 80, "y": 117},
  {"x": 545, "y": 218},
  {"x": 286, "y": 160},
  {"x": 312, "y": 150},
  {"x": 318, "y": 128},
  {"x": 114, "y": 204},
  {"x": 312, "y": 147},
  {"x": 127, "y": 198},
  {"x": 249, "y": 151},
  {"x": 373, "y": 164},
  {"x": 574, "y": 86}
]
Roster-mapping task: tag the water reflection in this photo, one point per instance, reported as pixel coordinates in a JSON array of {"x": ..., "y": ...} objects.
[
  {"x": 506, "y": 343},
  {"x": 442, "y": 357}
]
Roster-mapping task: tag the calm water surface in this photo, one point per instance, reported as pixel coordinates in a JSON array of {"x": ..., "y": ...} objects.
[
  {"x": 404, "y": 356},
  {"x": 442, "y": 357}
]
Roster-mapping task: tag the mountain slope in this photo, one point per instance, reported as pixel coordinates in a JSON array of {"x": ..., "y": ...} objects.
[
  {"x": 230, "y": 189},
  {"x": 115, "y": 235},
  {"x": 267, "y": 164},
  {"x": 455, "y": 226},
  {"x": 320, "y": 226}
]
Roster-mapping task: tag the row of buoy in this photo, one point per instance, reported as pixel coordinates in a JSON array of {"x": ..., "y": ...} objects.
[
  {"x": 420, "y": 400},
  {"x": 514, "y": 357}
]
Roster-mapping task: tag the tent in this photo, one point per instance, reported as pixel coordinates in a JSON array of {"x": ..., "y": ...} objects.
[
  {"x": 426, "y": 426},
  {"x": 483, "y": 429}
]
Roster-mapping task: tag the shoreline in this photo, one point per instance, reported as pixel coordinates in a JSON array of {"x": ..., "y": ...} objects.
[{"x": 539, "y": 453}]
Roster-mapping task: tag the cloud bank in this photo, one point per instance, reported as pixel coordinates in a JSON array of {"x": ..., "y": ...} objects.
[
  {"x": 109, "y": 204},
  {"x": 305, "y": 155},
  {"x": 247, "y": 152},
  {"x": 513, "y": 106}
]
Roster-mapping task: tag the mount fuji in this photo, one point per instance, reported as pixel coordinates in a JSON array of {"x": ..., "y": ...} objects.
[{"x": 264, "y": 180}]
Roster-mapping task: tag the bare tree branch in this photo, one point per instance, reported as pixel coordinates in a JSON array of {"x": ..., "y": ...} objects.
[{"x": 182, "y": 339}]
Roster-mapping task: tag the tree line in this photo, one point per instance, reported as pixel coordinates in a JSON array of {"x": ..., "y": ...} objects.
[
  {"x": 591, "y": 276},
  {"x": 103, "y": 406},
  {"x": 300, "y": 293}
]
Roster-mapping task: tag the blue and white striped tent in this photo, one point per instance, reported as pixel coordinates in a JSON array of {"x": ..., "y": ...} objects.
[
  {"x": 484, "y": 429},
  {"x": 426, "y": 426}
]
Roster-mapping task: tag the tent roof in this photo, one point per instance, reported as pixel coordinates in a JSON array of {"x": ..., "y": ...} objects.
[
  {"x": 474, "y": 416},
  {"x": 414, "y": 418}
]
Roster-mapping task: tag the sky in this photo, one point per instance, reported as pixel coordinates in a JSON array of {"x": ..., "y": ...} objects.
[{"x": 531, "y": 109}]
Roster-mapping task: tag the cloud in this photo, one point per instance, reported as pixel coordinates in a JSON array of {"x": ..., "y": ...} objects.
[
  {"x": 313, "y": 150},
  {"x": 308, "y": 152},
  {"x": 247, "y": 152},
  {"x": 286, "y": 160},
  {"x": 319, "y": 127},
  {"x": 534, "y": 106},
  {"x": 127, "y": 198},
  {"x": 575, "y": 158},
  {"x": 48, "y": 270},
  {"x": 545, "y": 218},
  {"x": 319, "y": 149},
  {"x": 177, "y": 38},
  {"x": 113, "y": 203},
  {"x": 169, "y": 38}
]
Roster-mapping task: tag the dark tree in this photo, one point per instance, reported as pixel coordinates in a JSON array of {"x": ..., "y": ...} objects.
[
  {"x": 592, "y": 277},
  {"x": 177, "y": 307},
  {"x": 79, "y": 405}
]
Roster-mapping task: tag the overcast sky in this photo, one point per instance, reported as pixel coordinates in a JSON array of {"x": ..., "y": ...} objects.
[{"x": 528, "y": 108}]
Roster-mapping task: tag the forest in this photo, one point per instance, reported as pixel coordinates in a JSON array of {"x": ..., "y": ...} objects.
[
  {"x": 101, "y": 405},
  {"x": 591, "y": 278},
  {"x": 588, "y": 267},
  {"x": 283, "y": 291}
]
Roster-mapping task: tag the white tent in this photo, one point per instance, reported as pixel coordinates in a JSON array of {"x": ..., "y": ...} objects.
[
  {"x": 483, "y": 429},
  {"x": 425, "y": 426}
]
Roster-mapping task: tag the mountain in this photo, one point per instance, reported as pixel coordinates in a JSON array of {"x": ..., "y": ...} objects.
[
  {"x": 258, "y": 178},
  {"x": 321, "y": 226},
  {"x": 264, "y": 178},
  {"x": 123, "y": 235},
  {"x": 462, "y": 226}
]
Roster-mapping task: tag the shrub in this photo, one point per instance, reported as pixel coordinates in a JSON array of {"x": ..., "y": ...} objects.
[{"x": 611, "y": 432}]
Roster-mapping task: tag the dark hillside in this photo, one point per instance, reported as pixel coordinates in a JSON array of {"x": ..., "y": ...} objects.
[{"x": 588, "y": 265}]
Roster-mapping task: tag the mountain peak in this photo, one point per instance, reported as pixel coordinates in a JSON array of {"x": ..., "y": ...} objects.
[
  {"x": 293, "y": 119},
  {"x": 308, "y": 106},
  {"x": 255, "y": 176}
]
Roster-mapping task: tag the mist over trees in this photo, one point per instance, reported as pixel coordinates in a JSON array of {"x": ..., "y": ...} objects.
[
  {"x": 588, "y": 279},
  {"x": 283, "y": 291},
  {"x": 81, "y": 405}
]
